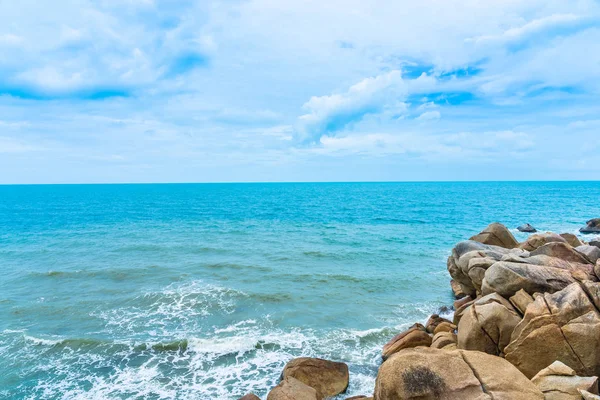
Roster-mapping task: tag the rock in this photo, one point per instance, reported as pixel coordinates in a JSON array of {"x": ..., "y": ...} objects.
[
  {"x": 328, "y": 378},
  {"x": 487, "y": 325},
  {"x": 521, "y": 300},
  {"x": 433, "y": 322},
  {"x": 445, "y": 327},
  {"x": 592, "y": 253},
  {"x": 457, "y": 289},
  {"x": 443, "y": 339},
  {"x": 587, "y": 395},
  {"x": 292, "y": 389},
  {"x": 413, "y": 337},
  {"x": 428, "y": 374},
  {"x": 540, "y": 239},
  {"x": 563, "y": 326},
  {"x": 498, "y": 235},
  {"x": 595, "y": 243},
  {"x": 359, "y": 397},
  {"x": 459, "y": 303},
  {"x": 527, "y": 228},
  {"x": 593, "y": 226},
  {"x": 571, "y": 239},
  {"x": 460, "y": 312},
  {"x": 559, "y": 382},
  {"x": 507, "y": 278},
  {"x": 564, "y": 251},
  {"x": 250, "y": 396}
]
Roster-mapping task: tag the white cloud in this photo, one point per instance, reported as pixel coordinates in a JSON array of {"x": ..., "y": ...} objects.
[{"x": 429, "y": 116}]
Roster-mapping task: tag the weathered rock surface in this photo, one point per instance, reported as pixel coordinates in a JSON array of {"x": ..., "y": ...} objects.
[
  {"x": 588, "y": 396},
  {"x": 457, "y": 289},
  {"x": 328, "y": 378},
  {"x": 432, "y": 374},
  {"x": 559, "y": 382},
  {"x": 433, "y": 322},
  {"x": 563, "y": 251},
  {"x": 292, "y": 389},
  {"x": 498, "y": 235},
  {"x": 593, "y": 226},
  {"x": 540, "y": 239},
  {"x": 563, "y": 326},
  {"x": 521, "y": 300},
  {"x": 487, "y": 325},
  {"x": 507, "y": 278},
  {"x": 442, "y": 340},
  {"x": 413, "y": 337},
  {"x": 592, "y": 253},
  {"x": 571, "y": 239},
  {"x": 594, "y": 243},
  {"x": 445, "y": 327},
  {"x": 527, "y": 228}
]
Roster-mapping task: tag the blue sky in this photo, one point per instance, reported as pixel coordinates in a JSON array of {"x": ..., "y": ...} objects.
[{"x": 298, "y": 90}]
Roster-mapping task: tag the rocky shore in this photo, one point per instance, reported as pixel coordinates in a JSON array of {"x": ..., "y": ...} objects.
[{"x": 526, "y": 326}]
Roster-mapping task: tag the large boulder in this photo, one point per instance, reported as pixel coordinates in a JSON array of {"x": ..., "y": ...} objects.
[
  {"x": 498, "y": 235},
  {"x": 560, "y": 382},
  {"x": 487, "y": 325},
  {"x": 527, "y": 228},
  {"x": 593, "y": 226},
  {"x": 328, "y": 378},
  {"x": 563, "y": 251},
  {"x": 444, "y": 340},
  {"x": 540, "y": 239},
  {"x": 571, "y": 239},
  {"x": 432, "y": 374},
  {"x": 457, "y": 290},
  {"x": 445, "y": 327},
  {"x": 563, "y": 326},
  {"x": 507, "y": 278},
  {"x": 433, "y": 322},
  {"x": 521, "y": 300},
  {"x": 592, "y": 253},
  {"x": 292, "y": 389},
  {"x": 415, "y": 336}
]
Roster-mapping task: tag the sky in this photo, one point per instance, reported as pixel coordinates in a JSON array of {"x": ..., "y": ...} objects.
[{"x": 299, "y": 90}]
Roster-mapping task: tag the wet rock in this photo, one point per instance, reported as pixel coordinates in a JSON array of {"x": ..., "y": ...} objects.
[
  {"x": 413, "y": 337},
  {"x": 593, "y": 226},
  {"x": 527, "y": 228},
  {"x": 487, "y": 325},
  {"x": 498, "y": 235},
  {"x": 559, "y": 382},
  {"x": 425, "y": 373},
  {"x": 563, "y": 326},
  {"x": 292, "y": 389},
  {"x": 328, "y": 378}
]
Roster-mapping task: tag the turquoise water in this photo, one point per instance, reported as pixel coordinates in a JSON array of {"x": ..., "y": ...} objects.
[{"x": 205, "y": 291}]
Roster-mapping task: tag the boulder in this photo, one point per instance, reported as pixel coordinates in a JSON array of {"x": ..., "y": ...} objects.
[
  {"x": 445, "y": 327},
  {"x": 593, "y": 226},
  {"x": 507, "y": 278},
  {"x": 442, "y": 340},
  {"x": 431, "y": 374},
  {"x": 585, "y": 395},
  {"x": 564, "y": 251},
  {"x": 250, "y": 396},
  {"x": 592, "y": 253},
  {"x": 559, "y": 382},
  {"x": 292, "y": 389},
  {"x": 433, "y": 322},
  {"x": 571, "y": 239},
  {"x": 459, "y": 303},
  {"x": 527, "y": 228},
  {"x": 457, "y": 289},
  {"x": 460, "y": 312},
  {"x": 487, "y": 325},
  {"x": 563, "y": 326},
  {"x": 415, "y": 336},
  {"x": 595, "y": 243},
  {"x": 328, "y": 378},
  {"x": 498, "y": 235},
  {"x": 521, "y": 300},
  {"x": 540, "y": 239}
]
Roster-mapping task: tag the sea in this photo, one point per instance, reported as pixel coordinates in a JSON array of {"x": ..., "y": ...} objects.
[{"x": 205, "y": 291}]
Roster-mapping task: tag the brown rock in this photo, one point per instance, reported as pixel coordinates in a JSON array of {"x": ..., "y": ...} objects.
[
  {"x": 521, "y": 300},
  {"x": 292, "y": 389},
  {"x": 587, "y": 395},
  {"x": 559, "y": 382},
  {"x": 460, "y": 312},
  {"x": 564, "y": 326},
  {"x": 445, "y": 327},
  {"x": 433, "y": 322},
  {"x": 487, "y": 325},
  {"x": 498, "y": 235},
  {"x": 564, "y": 251},
  {"x": 250, "y": 396},
  {"x": 459, "y": 303},
  {"x": 432, "y": 374},
  {"x": 507, "y": 278},
  {"x": 593, "y": 226},
  {"x": 413, "y": 337},
  {"x": 539, "y": 239},
  {"x": 443, "y": 339},
  {"x": 328, "y": 378},
  {"x": 571, "y": 239},
  {"x": 457, "y": 289}
]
